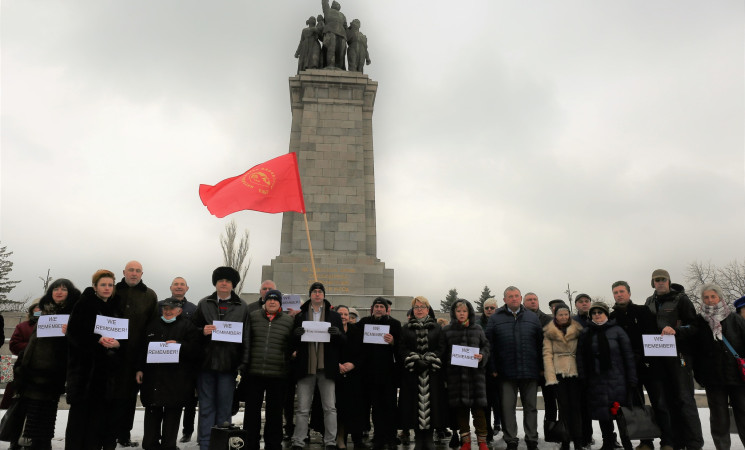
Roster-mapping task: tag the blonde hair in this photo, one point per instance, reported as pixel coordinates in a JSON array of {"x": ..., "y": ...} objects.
[
  {"x": 421, "y": 299},
  {"x": 490, "y": 301}
]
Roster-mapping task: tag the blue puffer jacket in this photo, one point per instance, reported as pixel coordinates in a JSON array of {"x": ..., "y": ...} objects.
[{"x": 516, "y": 344}]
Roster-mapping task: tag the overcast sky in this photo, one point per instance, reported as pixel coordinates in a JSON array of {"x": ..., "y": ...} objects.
[{"x": 527, "y": 143}]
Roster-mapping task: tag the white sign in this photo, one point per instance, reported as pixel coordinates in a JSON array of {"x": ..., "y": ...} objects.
[
  {"x": 228, "y": 331},
  {"x": 464, "y": 356},
  {"x": 51, "y": 325},
  {"x": 374, "y": 333},
  {"x": 163, "y": 352},
  {"x": 112, "y": 327},
  {"x": 316, "y": 331},
  {"x": 656, "y": 345},
  {"x": 291, "y": 301}
]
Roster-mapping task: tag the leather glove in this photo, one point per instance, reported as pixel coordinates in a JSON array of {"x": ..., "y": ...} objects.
[
  {"x": 299, "y": 331},
  {"x": 334, "y": 331}
]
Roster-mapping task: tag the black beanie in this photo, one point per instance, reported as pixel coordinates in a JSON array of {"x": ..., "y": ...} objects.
[
  {"x": 317, "y": 285},
  {"x": 273, "y": 295}
]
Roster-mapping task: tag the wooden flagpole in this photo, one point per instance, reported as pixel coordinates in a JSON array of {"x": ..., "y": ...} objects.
[{"x": 310, "y": 247}]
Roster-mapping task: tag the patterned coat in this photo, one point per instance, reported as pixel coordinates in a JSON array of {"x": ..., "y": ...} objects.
[
  {"x": 422, "y": 402},
  {"x": 466, "y": 386}
]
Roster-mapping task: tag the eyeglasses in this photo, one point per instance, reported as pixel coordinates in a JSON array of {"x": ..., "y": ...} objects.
[
  {"x": 489, "y": 308},
  {"x": 597, "y": 312},
  {"x": 660, "y": 280},
  {"x": 420, "y": 307}
]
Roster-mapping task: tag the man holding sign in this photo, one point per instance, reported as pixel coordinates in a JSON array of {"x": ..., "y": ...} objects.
[
  {"x": 381, "y": 371},
  {"x": 221, "y": 353},
  {"x": 165, "y": 372},
  {"x": 317, "y": 363}
]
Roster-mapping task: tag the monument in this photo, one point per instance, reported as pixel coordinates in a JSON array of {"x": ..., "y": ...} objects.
[{"x": 332, "y": 134}]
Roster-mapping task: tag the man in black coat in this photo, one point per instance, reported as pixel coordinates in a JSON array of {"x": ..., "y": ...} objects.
[
  {"x": 140, "y": 306},
  {"x": 673, "y": 310},
  {"x": 380, "y": 372},
  {"x": 179, "y": 288},
  {"x": 638, "y": 320},
  {"x": 317, "y": 364}
]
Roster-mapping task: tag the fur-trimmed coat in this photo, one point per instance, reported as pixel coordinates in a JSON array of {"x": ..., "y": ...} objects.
[{"x": 560, "y": 351}]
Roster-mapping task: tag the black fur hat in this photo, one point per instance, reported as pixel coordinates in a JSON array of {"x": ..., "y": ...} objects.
[{"x": 226, "y": 273}]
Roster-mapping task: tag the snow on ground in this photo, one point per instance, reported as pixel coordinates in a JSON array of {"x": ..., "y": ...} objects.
[{"x": 59, "y": 442}]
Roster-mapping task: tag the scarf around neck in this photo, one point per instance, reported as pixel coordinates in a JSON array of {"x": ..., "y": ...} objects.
[{"x": 715, "y": 314}]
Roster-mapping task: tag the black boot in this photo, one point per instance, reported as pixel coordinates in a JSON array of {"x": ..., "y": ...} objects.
[
  {"x": 429, "y": 440},
  {"x": 418, "y": 440}
]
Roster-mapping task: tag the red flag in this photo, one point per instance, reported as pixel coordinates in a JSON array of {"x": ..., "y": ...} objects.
[{"x": 272, "y": 187}]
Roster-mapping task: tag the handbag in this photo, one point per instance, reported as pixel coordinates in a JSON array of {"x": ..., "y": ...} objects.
[
  {"x": 740, "y": 361},
  {"x": 6, "y": 368},
  {"x": 555, "y": 431},
  {"x": 637, "y": 422},
  {"x": 13, "y": 422}
]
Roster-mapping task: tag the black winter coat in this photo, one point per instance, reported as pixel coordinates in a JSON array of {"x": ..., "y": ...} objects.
[
  {"x": 170, "y": 384},
  {"x": 269, "y": 344},
  {"x": 219, "y": 355},
  {"x": 380, "y": 361},
  {"x": 411, "y": 405},
  {"x": 349, "y": 385},
  {"x": 466, "y": 386},
  {"x": 331, "y": 351},
  {"x": 92, "y": 368},
  {"x": 44, "y": 364},
  {"x": 516, "y": 344},
  {"x": 605, "y": 386},
  {"x": 714, "y": 364},
  {"x": 636, "y": 320}
]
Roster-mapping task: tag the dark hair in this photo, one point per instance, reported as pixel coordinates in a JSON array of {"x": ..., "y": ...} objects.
[
  {"x": 60, "y": 282},
  {"x": 337, "y": 307},
  {"x": 621, "y": 283}
]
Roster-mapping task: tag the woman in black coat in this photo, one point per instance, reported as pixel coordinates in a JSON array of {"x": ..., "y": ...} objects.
[
  {"x": 422, "y": 399},
  {"x": 43, "y": 368},
  {"x": 167, "y": 387},
  {"x": 466, "y": 386},
  {"x": 93, "y": 361},
  {"x": 716, "y": 368},
  {"x": 605, "y": 363},
  {"x": 349, "y": 385}
]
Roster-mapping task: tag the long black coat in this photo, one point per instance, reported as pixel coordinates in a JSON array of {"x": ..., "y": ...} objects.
[
  {"x": 414, "y": 378},
  {"x": 44, "y": 364},
  {"x": 92, "y": 368},
  {"x": 170, "y": 384},
  {"x": 605, "y": 386},
  {"x": 466, "y": 385},
  {"x": 349, "y": 385},
  {"x": 714, "y": 364}
]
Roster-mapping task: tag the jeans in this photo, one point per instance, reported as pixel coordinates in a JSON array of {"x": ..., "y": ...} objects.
[
  {"x": 305, "y": 388},
  {"x": 215, "y": 402},
  {"x": 508, "y": 390}
]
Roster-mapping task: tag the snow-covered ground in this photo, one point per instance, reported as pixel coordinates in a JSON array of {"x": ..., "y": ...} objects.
[{"x": 498, "y": 444}]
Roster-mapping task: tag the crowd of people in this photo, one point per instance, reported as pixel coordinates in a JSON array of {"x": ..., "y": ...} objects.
[{"x": 347, "y": 374}]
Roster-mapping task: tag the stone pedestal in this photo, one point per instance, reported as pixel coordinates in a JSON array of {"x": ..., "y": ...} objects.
[{"x": 332, "y": 135}]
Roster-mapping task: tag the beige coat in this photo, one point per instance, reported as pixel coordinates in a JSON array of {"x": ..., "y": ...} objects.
[{"x": 560, "y": 351}]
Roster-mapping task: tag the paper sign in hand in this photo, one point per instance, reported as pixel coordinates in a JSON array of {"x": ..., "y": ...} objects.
[
  {"x": 112, "y": 327},
  {"x": 163, "y": 352},
  {"x": 316, "y": 331},
  {"x": 227, "y": 331},
  {"x": 51, "y": 325},
  {"x": 464, "y": 356},
  {"x": 374, "y": 333}
]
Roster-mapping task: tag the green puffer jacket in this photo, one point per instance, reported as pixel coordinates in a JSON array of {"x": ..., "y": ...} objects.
[{"x": 269, "y": 344}]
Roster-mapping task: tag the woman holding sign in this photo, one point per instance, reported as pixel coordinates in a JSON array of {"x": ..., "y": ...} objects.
[
  {"x": 43, "y": 366},
  {"x": 466, "y": 353},
  {"x": 422, "y": 388},
  {"x": 93, "y": 360}
]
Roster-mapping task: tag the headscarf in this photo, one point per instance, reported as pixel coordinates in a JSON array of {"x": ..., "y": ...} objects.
[{"x": 715, "y": 314}]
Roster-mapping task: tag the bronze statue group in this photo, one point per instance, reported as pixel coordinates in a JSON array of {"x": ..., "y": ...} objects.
[{"x": 351, "y": 374}]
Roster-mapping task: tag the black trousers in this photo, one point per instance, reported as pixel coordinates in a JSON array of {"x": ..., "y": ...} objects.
[
  {"x": 492, "y": 403},
  {"x": 720, "y": 398},
  {"x": 655, "y": 386},
  {"x": 257, "y": 388},
  {"x": 678, "y": 392},
  {"x": 567, "y": 392},
  {"x": 125, "y": 412},
  {"x": 161, "y": 428},
  {"x": 190, "y": 413},
  {"x": 549, "y": 400},
  {"x": 383, "y": 404}
]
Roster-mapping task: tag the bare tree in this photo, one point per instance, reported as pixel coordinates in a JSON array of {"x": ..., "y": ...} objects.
[
  {"x": 233, "y": 256},
  {"x": 731, "y": 278},
  {"x": 46, "y": 280}
]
